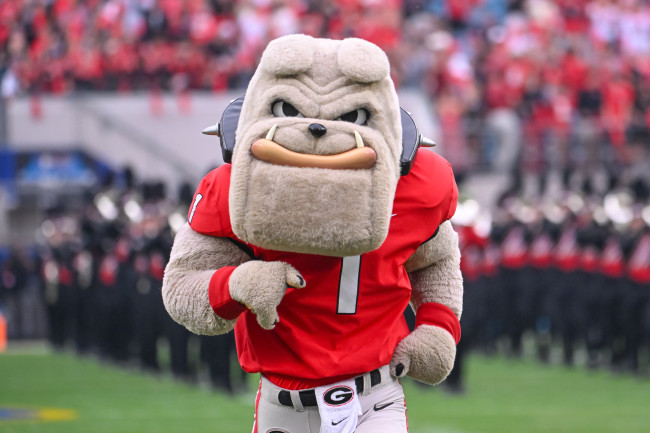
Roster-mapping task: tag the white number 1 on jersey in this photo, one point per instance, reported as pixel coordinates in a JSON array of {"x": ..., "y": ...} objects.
[
  {"x": 196, "y": 203},
  {"x": 349, "y": 285}
]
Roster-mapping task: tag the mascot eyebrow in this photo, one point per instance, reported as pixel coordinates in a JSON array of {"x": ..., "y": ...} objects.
[{"x": 282, "y": 108}]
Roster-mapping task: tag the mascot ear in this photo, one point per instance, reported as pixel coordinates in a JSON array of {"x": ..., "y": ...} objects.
[{"x": 227, "y": 127}]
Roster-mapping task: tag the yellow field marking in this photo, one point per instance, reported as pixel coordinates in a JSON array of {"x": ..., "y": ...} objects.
[{"x": 42, "y": 414}]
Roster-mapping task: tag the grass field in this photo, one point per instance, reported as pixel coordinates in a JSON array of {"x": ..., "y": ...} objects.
[{"x": 82, "y": 396}]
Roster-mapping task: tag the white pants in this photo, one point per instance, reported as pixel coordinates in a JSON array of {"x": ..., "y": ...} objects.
[{"x": 383, "y": 407}]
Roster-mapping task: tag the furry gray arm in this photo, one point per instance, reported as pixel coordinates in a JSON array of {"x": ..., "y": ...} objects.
[
  {"x": 427, "y": 354},
  {"x": 258, "y": 285},
  {"x": 194, "y": 259}
]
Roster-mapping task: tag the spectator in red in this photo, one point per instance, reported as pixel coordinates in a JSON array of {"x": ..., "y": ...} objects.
[
  {"x": 440, "y": 45},
  {"x": 618, "y": 99}
]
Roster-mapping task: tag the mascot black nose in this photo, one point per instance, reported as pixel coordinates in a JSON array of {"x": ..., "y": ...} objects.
[{"x": 317, "y": 130}]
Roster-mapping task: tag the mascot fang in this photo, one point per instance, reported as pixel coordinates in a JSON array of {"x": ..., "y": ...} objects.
[{"x": 325, "y": 223}]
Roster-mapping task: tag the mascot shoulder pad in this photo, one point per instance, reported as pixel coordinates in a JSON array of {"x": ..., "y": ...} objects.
[{"x": 430, "y": 184}]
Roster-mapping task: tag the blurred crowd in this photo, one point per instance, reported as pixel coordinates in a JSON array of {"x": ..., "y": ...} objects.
[
  {"x": 532, "y": 84},
  {"x": 62, "y": 45},
  {"x": 571, "y": 277},
  {"x": 92, "y": 285}
]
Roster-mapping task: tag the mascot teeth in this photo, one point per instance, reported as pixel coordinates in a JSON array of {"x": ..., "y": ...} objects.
[
  {"x": 271, "y": 133},
  {"x": 357, "y": 137}
]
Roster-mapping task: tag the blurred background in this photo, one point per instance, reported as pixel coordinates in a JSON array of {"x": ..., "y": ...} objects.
[{"x": 542, "y": 107}]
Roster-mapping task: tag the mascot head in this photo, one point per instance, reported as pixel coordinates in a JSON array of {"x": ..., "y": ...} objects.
[{"x": 317, "y": 151}]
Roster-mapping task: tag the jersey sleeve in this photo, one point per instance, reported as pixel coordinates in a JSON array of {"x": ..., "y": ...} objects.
[
  {"x": 429, "y": 192},
  {"x": 436, "y": 314},
  {"x": 209, "y": 213}
]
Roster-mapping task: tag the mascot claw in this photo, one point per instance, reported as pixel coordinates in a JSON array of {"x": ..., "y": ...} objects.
[
  {"x": 399, "y": 366},
  {"x": 267, "y": 321},
  {"x": 399, "y": 370}
]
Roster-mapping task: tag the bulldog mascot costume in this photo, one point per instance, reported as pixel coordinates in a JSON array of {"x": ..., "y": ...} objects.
[{"x": 325, "y": 223}]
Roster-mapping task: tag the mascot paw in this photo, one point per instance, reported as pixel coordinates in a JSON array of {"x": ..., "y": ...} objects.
[
  {"x": 426, "y": 354},
  {"x": 260, "y": 286}
]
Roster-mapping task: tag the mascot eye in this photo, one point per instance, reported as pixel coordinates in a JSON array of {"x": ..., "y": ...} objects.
[
  {"x": 360, "y": 116},
  {"x": 284, "y": 109}
]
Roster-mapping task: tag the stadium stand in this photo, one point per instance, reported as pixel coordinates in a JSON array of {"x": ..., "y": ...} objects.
[{"x": 572, "y": 76}]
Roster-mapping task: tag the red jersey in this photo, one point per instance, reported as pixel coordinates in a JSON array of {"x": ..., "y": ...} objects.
[{"x": 321, "y": 339}]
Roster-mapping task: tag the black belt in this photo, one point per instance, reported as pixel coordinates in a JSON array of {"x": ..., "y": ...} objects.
[{"x": 308, "y": 396}]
